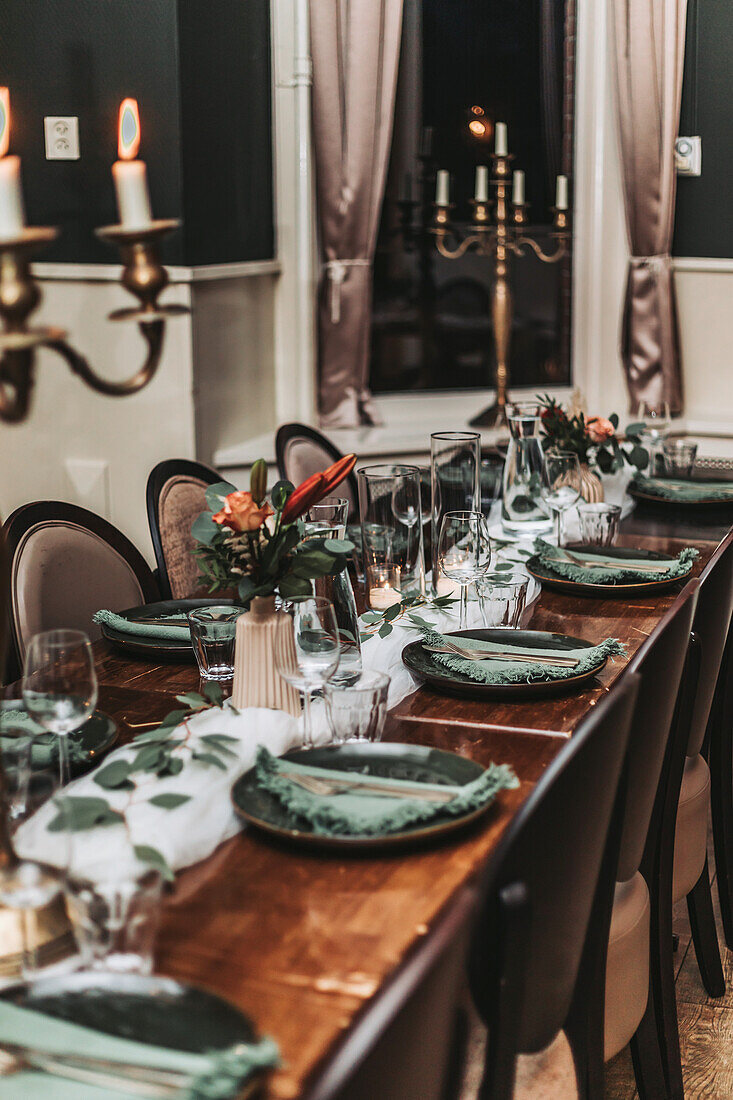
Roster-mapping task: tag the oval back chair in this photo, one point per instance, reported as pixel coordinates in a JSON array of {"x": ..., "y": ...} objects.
[
  {"x": 301, "y": 451},
  {"x": 175, "y": 496},
  {"x": 65, "y": 563}
]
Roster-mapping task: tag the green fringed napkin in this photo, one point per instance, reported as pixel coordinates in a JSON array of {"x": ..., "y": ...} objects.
[
  {"x": 16, "y": 722},
  {"x": 504, "y": 672},
  {"x": 146, "y": 630},
  {"x": 217, "y": 1075},
  {"x": 690, "y": 491},
  {"x": 595, "y": 574},
  {"x": 360, "y": 813}
]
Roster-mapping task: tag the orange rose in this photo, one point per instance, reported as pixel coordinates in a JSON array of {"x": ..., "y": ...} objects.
[
  {"x": 599, "y": 429},
  {"x": 240, "y": 513}
]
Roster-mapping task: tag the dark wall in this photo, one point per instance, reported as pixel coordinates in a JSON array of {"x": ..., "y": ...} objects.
[
  {"x": 201, "y": 73},
  {"x": 704, "y": 223}
]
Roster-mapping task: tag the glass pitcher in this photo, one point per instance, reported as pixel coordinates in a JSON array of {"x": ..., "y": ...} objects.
[
  {"x": 523, "y": 510},
  {"x": 328, "y": 520}
]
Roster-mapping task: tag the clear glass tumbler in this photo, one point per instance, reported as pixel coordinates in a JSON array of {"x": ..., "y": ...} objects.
[
  {"x": 455, "y": 476},
  {"x": 599, "y": 523},
  {"x": 213, "y": 635},
  {"x": 502, "y": 598},
  {"x": 679, "y": 457},
  {"x": 390, "y": 512},
  {"x": 115, "y": 919},
  {"x": 358, "y": 712}
]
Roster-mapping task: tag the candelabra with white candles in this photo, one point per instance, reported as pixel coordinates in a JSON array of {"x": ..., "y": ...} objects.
[{"x": 498, "y": 238}]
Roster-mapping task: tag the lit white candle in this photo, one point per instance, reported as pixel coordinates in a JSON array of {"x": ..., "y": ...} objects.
[
  {"x": 500, "y": 140},
  {"x": 561, "y": 193},
  {"x": 442, "y": 188},
  {"x": 382, "y": 598},
  {"x": 12, "y": 219},
  {"x": 129, "y": 174},
  {"x": 481, "y": 193},
  {"x": 518, "y": 188}
]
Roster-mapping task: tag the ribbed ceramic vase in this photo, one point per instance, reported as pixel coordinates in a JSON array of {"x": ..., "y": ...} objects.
[
  {"x": 591, "y": 486},
  {"x": 257, "y": 683}
]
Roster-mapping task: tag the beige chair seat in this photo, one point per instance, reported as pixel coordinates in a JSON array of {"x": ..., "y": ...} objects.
[
  {"x": 627, "y": 967},
  {"x": 690, "y": 845}
]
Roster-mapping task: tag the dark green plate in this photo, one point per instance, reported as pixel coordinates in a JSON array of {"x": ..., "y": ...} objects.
[
  {"x": 154, "y": 1010},
  {"x": 87, "y": 746},
  {"x": 424, "y": 665},
  {"x": 548, "y": 578},
  {"x": 653, "y": 498},
  {"x": 156, "y": 649},
  {"x": 415, "y": 763}
]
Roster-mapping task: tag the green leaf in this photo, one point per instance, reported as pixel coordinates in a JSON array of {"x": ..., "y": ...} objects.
[
  {"x": 203, "y": 528},
  {"x": 78, "y": 813},
  {"x": 173, "y": 718},
  {"x": 392, "y": 612},
  {"x": 503, "y": 566},
  {"x": 173, "y": 766},
  {"x": 213, "y": 693},
  {"x": 281, "y": 490},
  {"x": 214, "y": 740},
  {"x": 115, "y": 776},
  {"x": 209, "y": 758},
  {"x": 385, "y": 630},
  {"x": 169, "y": 801},
  {"x": 246, "y": 589},
  {"x": 192, "y": 700},
  {"x": 635, "y": 429},
  {"x": 149, "y": 757},
  {"x": 338, "y": 546},
  {"x": 295, "y": 586},
  {"x": 216, "y": 493},
  {"x": 153, "y": 858},
  {"x": 639, "y": 457},
  {"x": 614, "y": 420}
]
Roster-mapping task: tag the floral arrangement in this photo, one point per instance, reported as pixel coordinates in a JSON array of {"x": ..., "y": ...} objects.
[
  {"x": 595, "y": 440},
  {"x": 255, "y": 543}
]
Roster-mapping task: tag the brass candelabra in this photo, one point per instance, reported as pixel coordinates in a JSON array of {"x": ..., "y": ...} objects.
[
  {"x": 498, "y": 239},
  {"x": 143, "y": 275}
]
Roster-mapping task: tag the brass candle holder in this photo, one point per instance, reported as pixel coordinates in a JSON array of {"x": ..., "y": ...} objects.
[
  {"x": 498, "y": 239},
  {"x": 143, "y": 275}
]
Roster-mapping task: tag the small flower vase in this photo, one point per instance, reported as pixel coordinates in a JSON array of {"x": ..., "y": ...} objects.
[
  {"x": 591, "y": 486},
  {"x": 257, "y": 683}
]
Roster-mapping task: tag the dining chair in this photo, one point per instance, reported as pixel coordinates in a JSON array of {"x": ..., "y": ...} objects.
[
  {"x": 719, "y": 747},
  {"x": 404, "y": 1044},
  {"x": 538, "y": 896},
  {"x": 65, "y": 563},
  {"x": 175, "y": 496},
  {"x": 616, "y": 998},
  {"x": 301, "y": 451}
]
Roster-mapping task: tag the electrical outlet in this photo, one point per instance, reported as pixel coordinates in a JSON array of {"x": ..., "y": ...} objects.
[
  {"x": 62, "y": 137},
  {"x": 688, "y": 156}
]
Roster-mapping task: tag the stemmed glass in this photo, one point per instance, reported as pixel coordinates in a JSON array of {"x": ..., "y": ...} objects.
[
  {"x": 561, "y": 484},
  {"x": 60, "y": 685},
  {"x": 307, "y": 650},
  {"x": 656, "y": 419},
  {"x": 464, "y": 552}
]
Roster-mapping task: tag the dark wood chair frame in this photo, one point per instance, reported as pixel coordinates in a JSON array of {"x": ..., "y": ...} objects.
[
  {"x": 719, "y": 753},
  {"x": 159, "y": 475},
  {"x": 26, "y": 517},
  {"x": 287, "y": 432},
  {"x": 498, "y": 969}
]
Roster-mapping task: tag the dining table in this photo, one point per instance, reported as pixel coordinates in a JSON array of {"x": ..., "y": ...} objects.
[{"x": 302, "y": 941}]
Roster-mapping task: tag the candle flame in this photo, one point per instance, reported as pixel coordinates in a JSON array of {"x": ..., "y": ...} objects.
[
  {"x": 128, "y": 140},
  {"x": 4, "y": 121}
]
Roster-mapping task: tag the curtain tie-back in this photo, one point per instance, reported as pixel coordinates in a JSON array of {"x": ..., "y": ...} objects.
[
  {"x": 336, "y": 271},
  {"x": 656, "y": 263}
]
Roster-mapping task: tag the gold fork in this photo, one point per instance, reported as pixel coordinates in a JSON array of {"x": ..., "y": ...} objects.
[{"x": 325, "y": 787}]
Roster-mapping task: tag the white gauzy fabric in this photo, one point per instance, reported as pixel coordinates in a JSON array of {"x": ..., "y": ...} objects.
[{"x": 183, "y": 835}]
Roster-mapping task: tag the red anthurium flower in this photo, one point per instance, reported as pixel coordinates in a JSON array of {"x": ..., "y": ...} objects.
[{"x": 315, "y": 488}]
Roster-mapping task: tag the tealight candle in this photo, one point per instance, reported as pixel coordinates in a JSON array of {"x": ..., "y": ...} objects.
[
  {"x": 383, "y": 585},
  {"x": 481, "y": 193},
  {"x": 501, "y": 147},
  {"x": 518, "y": 188},
  {"x": 442, "y": 188},
  {"x": 383, "y": 597},
  {"x": 129, "y": 174},
  {"x": 561, "y": 193}
]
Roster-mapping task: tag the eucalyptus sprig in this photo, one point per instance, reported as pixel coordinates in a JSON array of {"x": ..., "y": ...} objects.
[
  {"x": 381, "y": 623},
  {"x": 156, "y": 756}
]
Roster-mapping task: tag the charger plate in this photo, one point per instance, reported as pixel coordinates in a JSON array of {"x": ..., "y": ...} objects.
[
  {"x": 548, "y": 578},
  {"x": 654, "y": 498},
  {"x": 445, "y": 680},
  {"x": 414, "y": 763},
  {"x": 154, "y": 1010},
  {"x": 157, "y": 649},
  {"x": 94, "y": 738}
]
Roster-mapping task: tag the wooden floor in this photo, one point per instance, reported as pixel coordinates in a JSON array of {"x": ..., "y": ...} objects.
[{"x": 706, "y": 1026}]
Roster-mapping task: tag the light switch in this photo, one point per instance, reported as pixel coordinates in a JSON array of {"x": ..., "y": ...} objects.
[
  {"x": 62, "y": 137},
  {"x": 688, "y": 156}
]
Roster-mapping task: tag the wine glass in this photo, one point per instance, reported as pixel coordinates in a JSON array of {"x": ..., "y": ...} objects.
[
  {"x": 561, "y": 484},
  {"x": 307, "y": 650},
  {"x": 656, "y": 419},
  {"x": 60, "y": 685},
  {"x": 464, "y": 552}
]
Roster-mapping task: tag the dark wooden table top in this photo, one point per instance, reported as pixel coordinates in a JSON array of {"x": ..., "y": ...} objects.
[{"x": 301, "y": 942}]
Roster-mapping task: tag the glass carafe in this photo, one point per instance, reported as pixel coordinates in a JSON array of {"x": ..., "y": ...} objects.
[
  {"x": 523, "y": 510},
  {"x": 328, "y": 520}
]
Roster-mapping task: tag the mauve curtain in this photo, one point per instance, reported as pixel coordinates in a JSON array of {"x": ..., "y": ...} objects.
[
  {"x": 355, "y": 46},
  {"x": 650, "y": 43}
]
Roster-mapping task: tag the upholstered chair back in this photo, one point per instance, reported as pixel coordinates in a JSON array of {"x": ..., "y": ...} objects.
[{"x": 175, "y": 497}]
